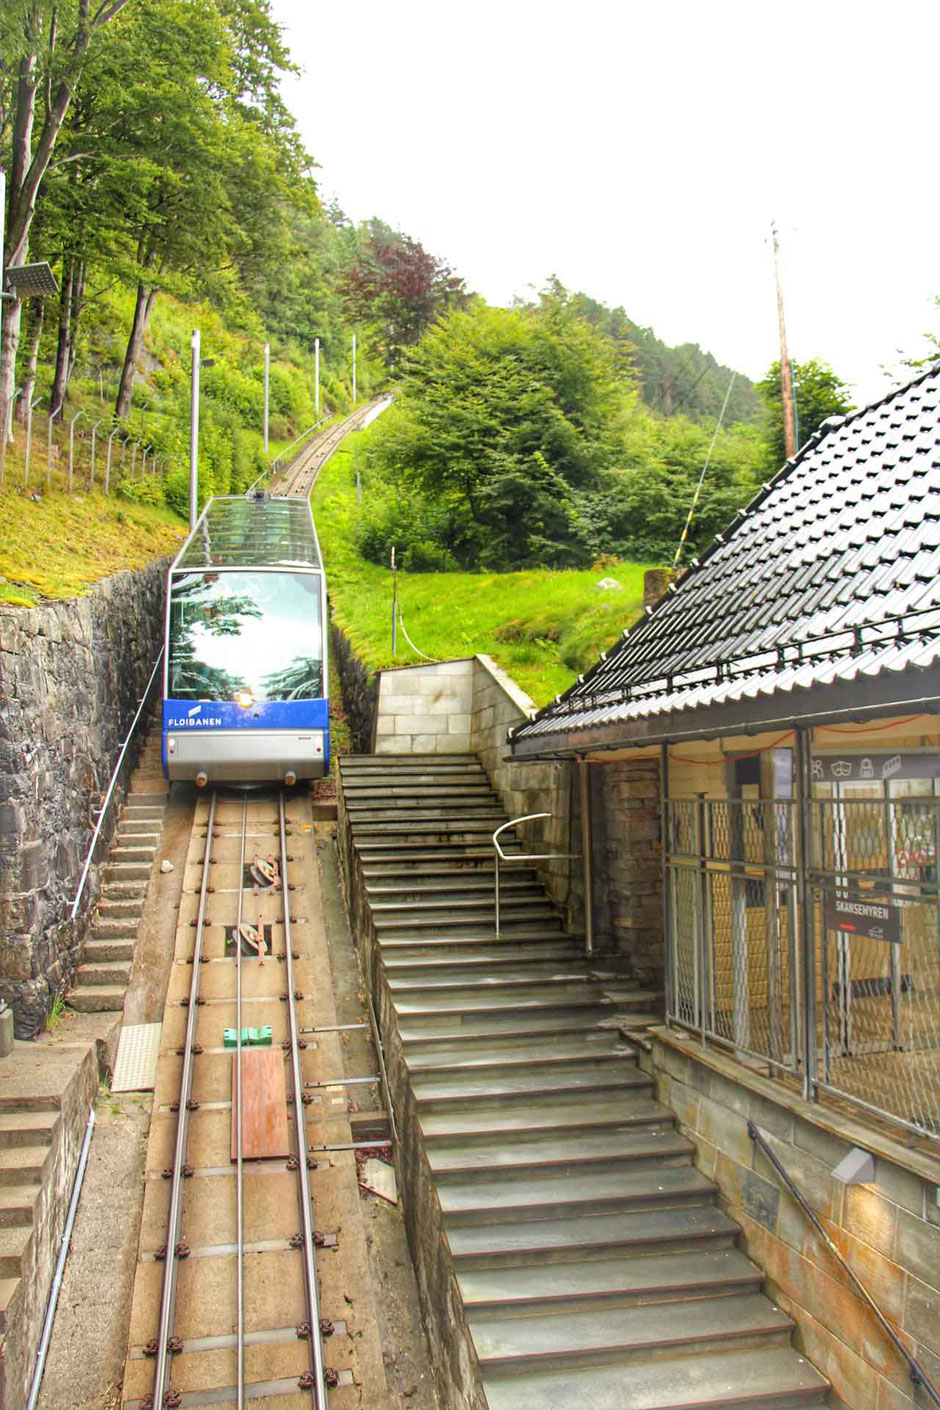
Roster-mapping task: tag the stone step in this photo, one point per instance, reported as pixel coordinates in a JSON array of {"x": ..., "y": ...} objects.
[
  {"x": 438, "y": 1034},
  {"x": 27, "y": 1128},
  {"x": 403, "y": 859},
  {"x": 23, "y": 1165},
  {"x": 132, "y": 827},
  {"x": 773, "y": 1378},
  {"x": 142, "y": 798},
  {"x": 110, "y": 972},
  {"x": 532, "y": 1241},
  {"x": 122, "y": 927},
  {"x": 457, "y": 883},
  {"x": 396, "y": 818},
  {"x": 476, "y": 867},
  {"x": 97, "y": 998},
  {"x": 457, "y": 942},
  {"x": 13, "y": 1245},
  {"x": 107, "y": 951},
  {"x": 14, "y": 1102},
  {"x": 124, "y": 853},
  {"x": 470, "y": 979},
  {"x": 591, "y": 1112},
  {"x": 626, "y": 1335},
  {"x": 362, "y": 763},
  {"x": 17, "y": 1205},
  {"x": 564, "y": 998},
  {"x": 504, "y": 1088},
  {"x": 586, "y": 1191},
  {"x": 483, "y": 906},
  {"x": 427, "y": 959},
  {"x": 445, "y": 833},
  {"x": 518, "y": 1158},
  {"x": 119, "y": 907},
  {"x": 121, "y": 872},
  {"x": 133, "y": 892},
  {"x": 621, "y": 1281},
  {"x": 8, "y": 1287},
  {"x": 526, "y": 1053},
  {"x": 477, "y": 927},
  {"x": 396, "y": 793}
]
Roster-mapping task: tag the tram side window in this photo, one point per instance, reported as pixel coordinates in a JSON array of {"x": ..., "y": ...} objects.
[{"x": 234, "y": 633}]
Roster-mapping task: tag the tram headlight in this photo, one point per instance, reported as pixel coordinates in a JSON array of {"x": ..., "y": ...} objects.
[{"x": 245, "y": 699}]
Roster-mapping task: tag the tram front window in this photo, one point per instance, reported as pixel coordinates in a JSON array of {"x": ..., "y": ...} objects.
[{"x": 245, "y": 636}]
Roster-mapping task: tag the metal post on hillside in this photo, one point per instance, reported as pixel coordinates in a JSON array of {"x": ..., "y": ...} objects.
[
  {"x": 29, "y": 437},
  {"x": 134, "y": 449},
  {"x": 394, "y": 606},
  {"x": 316, "y": 375},
  {"x": 72, "y": 445},
  {"x": 94, "y": 430},
  {"x": 267, "y": 391},
  {"x": 354, "y": 369},
  {"x": 107, "y": 468},
  {"x": 52, "y": 417},
  {"x": 194, "y": 434}
]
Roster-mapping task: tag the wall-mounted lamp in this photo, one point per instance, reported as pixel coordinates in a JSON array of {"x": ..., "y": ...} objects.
[{"x": 856, "y": 1168}]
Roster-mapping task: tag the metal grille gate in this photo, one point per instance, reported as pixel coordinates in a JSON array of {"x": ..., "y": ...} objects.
[{"x": 804, "y": 932}]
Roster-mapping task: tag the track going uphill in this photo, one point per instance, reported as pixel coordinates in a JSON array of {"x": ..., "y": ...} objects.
[
  {"x": 238, "y": 1299},
  {"x": 299, "y": 477}
]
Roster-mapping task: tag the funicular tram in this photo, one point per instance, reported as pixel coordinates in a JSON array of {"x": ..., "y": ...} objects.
[{"x": 245, "y": 693}]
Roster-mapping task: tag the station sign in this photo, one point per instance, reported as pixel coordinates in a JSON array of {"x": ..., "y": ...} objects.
[{"x": 875, "y": 919}]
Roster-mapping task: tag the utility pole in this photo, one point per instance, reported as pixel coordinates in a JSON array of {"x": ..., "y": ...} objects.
[
  {"x": 786, "y": 381},
  {"x": 354, "y": 369},
  {"x": 194, "y": 436},
  {"x": 267, "y": 397},
  {"x": 316, "y": 375}
]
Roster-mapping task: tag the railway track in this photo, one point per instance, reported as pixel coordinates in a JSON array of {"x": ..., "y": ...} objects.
[
  {"x": 299, "y": 477},
  {"x": 238, "y": 1299}
]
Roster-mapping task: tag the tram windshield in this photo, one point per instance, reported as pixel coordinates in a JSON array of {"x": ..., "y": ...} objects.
[{"x": 245, "y": 636}]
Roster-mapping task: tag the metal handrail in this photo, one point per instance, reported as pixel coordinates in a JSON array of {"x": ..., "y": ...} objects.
[
  {"x": 522, "y": 856},
  {"x": 270, "y": 469},
  {"x": 917, "y": 1373},
  {"x": 112, "y": 785}
]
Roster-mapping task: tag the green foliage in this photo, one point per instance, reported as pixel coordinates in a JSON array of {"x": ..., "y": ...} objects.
[
  {"x": 524, "y": 429},
  {"x": 542, "y": 626},
  {"x": 818, "y": 394}
]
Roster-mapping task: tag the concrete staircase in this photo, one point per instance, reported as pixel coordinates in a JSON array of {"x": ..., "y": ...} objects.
[
  {"x": 588, "y": 1258},
  {"x": 104, "y": 973}
]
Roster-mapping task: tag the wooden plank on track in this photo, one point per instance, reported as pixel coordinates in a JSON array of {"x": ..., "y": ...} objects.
[{"x": 264, "y": 1105}]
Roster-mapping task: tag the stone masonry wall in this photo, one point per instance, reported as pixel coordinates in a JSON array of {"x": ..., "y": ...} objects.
[
  {"x": 71, "y": 676},
  {"x": 425, "y": 709},
  {"x": 628, "y": 862},
  {"x": 358, "y": 688},
  {"x": 888, "y": 1230}
]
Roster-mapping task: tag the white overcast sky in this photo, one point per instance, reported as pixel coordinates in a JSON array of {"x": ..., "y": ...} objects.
[{"x": 640, "y": 152}]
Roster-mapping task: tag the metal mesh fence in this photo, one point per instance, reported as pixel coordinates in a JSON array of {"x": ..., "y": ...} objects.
[{"x": 830, "y": 970}]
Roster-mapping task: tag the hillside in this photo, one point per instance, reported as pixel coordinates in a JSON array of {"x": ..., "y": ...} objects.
[{"x": 541, "y": 626}]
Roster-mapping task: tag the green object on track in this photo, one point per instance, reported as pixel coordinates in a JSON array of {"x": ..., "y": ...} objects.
[{"x": 251, "y": 1037}]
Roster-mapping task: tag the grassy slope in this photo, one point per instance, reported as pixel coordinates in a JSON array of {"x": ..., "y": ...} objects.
[
  {"x": 57, "y": 547},
  {"x": 543, "y": 627}
]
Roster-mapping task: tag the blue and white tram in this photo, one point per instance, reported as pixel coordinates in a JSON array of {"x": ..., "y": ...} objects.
[{"x": 245, "y": 691}]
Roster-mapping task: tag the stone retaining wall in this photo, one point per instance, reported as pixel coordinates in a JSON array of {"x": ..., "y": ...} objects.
[
  {"x": 359, "y": 691},
  {"x": 71, "y": 677},
  {"x": 888, "y": 1230}
]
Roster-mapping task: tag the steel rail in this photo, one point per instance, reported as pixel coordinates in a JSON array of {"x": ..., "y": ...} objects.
[
  {"x": 318, "y": 1398},
  {"x": 170, "y": 1269},
  {"x": 239, "y": 1157}
]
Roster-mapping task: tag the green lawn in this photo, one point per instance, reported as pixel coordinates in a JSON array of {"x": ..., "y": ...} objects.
[{"x": 543, "y": 627}]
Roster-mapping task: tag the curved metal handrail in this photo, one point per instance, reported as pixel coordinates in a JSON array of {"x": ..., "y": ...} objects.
[{"x": 522, "y": 856}]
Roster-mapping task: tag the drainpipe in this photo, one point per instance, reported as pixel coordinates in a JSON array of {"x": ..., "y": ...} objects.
[{"x": 587, "y": 853}]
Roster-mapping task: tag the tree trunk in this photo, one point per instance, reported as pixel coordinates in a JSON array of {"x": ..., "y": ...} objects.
[
  {"x": 32, "y": 358},
  {"x": 78, "y": 303},
  {"x": 60, "y": 380},
  {"x": 146, "y": 298}
]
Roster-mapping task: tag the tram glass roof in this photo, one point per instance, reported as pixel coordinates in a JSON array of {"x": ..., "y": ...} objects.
[{"x": 242, "y": 532}]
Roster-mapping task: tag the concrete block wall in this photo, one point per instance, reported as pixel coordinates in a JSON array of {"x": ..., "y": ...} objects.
[
  {"x": 889, "y": 1230},
  {"x": 425, "y": 709}
]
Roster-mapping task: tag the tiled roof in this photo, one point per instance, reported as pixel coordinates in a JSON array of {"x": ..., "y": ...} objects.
[{"x": 832, "y": 573}]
